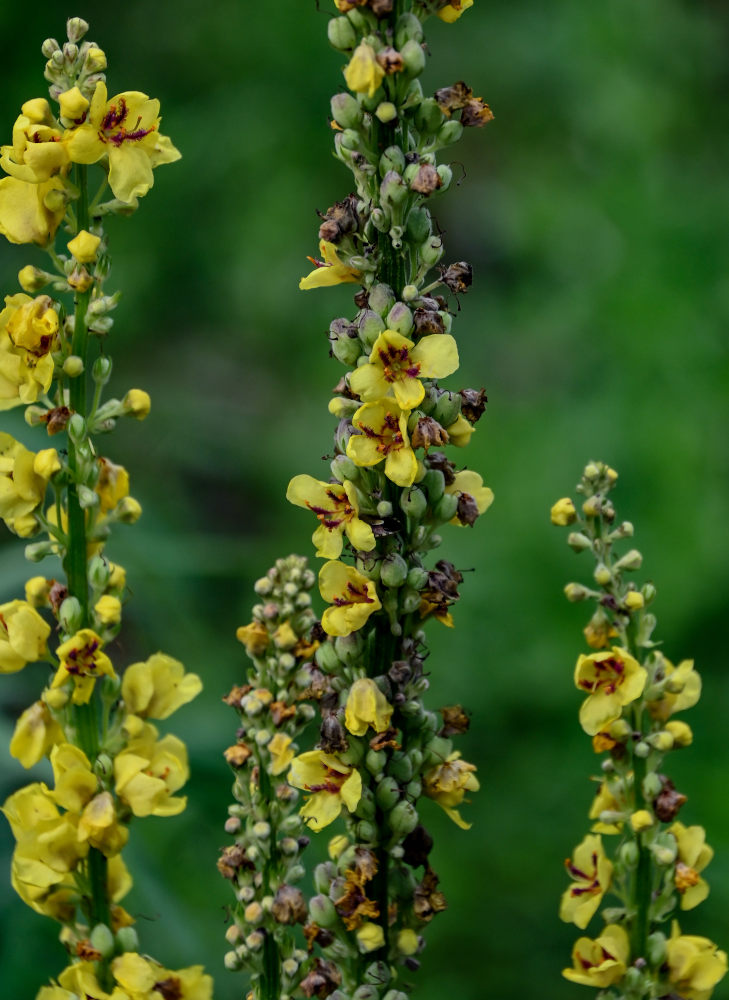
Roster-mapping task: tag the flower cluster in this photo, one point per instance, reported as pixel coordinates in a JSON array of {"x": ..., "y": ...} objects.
[
  {"x": 632, "y": 693},
  {"x": 95, "y": 723},
  {"x": 263, "y": 864},
  {"x": 377, "y": 511}
]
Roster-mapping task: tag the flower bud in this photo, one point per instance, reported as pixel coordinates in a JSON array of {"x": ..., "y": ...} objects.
[
  {"x": 32, "y": 279},
  {"x": 656, "y": 949},
  {"x": 346, "y": 348},
  {"x": 366, "y": 832},
  {"x": 602, "y": 575},
  {"x": 76, "y": 428},
  {"x": 446, "y": 508},
  {"x": 49, "y": 47},
  {"x": 578, "y": 542},
  {"x": 447, "y": 408},
  {"x": 349, "y": 648},
  {"x": 344, "y": 468},
  {"x": 400, "y": 767},
  {"x": 102, "y": 940},
  {"x": 387, "y": 794},
  {"x": 642, "y": 749},
  {"x": 407, "y": 28},
  {"x": 576, "y": 592},
  {"x": 95, "y": 61},
  {"x": 366, "y": 992},
  {"x": 413, "y": 57},
  {"x": 76, "y": 28},
  {"x": 563, "y": 512},
  {"x": 128, "y": 510},
  {"x": 73, "y": 366},
  {"x": 403, "y": 819},
  {"x": 127, "y": 939},
  {"x": 410, "y": 600},
  {"x": 101, "y": 370},
  {"x": 346, "y": 111},
  {"x": 628, "y": 854},
  {"x": 400, "y": 319},
  {"x": 392, "y": 159},
  {"x": 630, "y": 561},
  {"x": 634, "y": 600},
  {"x": 341, "y": 34},
  {"x": 69, "y": 615},
  {"x": 38, "y": 550},
  {"x": 413, "y": 502},
  {"x": 661, "y": 741},
  {"x": 381, "y": 299},
  {"x": 652, "y": 786},
  {"x": 428, "y": 116},
  {"x": 323, "y": 875},
  {"x": 680, "y": 732},
  {"x": 370, "y": 326},
  {"x": 386, "y": 112},
  {"x": 444, "y": 171},
  {"x": 394, "y": 570}
]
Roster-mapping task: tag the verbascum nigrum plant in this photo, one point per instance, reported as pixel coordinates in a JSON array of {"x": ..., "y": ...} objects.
[
  {"x": 394, "y": 481},
  {"x": 639, "y": 854},
  {"x": 71, "y": 162}
]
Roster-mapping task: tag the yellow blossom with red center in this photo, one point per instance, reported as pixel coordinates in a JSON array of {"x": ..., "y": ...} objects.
[
  {"x": 328, "y": 271},
  {"x": 469, "y": 484},
  {"x": 24, "y": 478},
  {"x": 38, "y": 151},
  {"x": 453, "y": 10},
  {"x": 396, "y": 366},
  {"x": 694, "y": 854},
  {"x": 601, "y": 962},
  {"x": 591, "y": 873},
  {"x": 612, "y": 679},
  {"x": 332, "y": 785},
  {"x": 82, "y": 660},
  {"x": 447, "y": 784},
  {"x": 336, "y": 508},
  {"x": 383, "y": 436},
  {"x": 149, "y": 771},
  {"x": 126, "y": 130},
  {"x": 695, "y": 964},
  {"x": 352, "y": 596}
]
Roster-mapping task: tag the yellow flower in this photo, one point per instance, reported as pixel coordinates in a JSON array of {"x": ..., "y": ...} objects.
[
  {"x": 681, "y": 733},
  {"x": 332, "y": 785},
  {"x": 36, "y": 732},
  {"x": 407, "y": 941},
  {"x": 337, "y": 511},
  {"x": 31, "y": 213},
  {"x": 453, "y": 10},
  {"x": 84, "y": 246},
  {"x": 329, "y": 271},
  {"x": 695, "y": 964},
  {"x": 73, "y": 105},
  {"x": 126, "y": 129},
  {"x": 694, "y": 854},
  {"x": 641, "y": 820},
  {"x": 82, "y": 660},
  {"x": 254, "y": 637},
  {"x": 363, "y": 73},
  {"x": 460, "y": 432},
  {"x": 137, "y": 404},
  {"x": 141, "y": 978},
  {"x": 353, "y": 598},
  {"x": 601, "y": 962},
  {"x": 100, "y": 826},
  {"x": 281, "y": 753},
  {"x": 28, "y": 334},
  {"x": 447, "y": 784},
  {"x": 158, "y": 687},
  {"x": 23, "y": 482},
  {"x": 612, "y": 678},
  {"x": 370, "y": 937},
  {"x": 108, "y": 610},
  {"x": 37, "y": 590},
  {"x": 396, "y": 365},
  {"x": 682, "y": 689},
  {"x": 367, "y": 706},
  {"x": 591, "y": 872},
  {"x": 468, "y": 484},
  {"x": 603, "y": 801},
  {"x": 563, "y": 512},
  {"x": 112, "y": 485},
  {"x": 384, "y": 435},
  {"x": 148, "y": 771},
  {"x": 23, "y": 635},
  {"x": 38, "y": 151}
]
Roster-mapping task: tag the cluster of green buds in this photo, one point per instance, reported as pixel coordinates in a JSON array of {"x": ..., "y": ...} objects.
[
  {"x": 632, "y": 694},
  {"x": 108, "y": 761},
  {"x": 263, "y": 864},
  {"x": 391, "y": 488}
]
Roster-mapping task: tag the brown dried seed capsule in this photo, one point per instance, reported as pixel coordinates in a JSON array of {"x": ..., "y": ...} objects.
[
  {"x": 233, "y": 698},
  {"x": 458, "y": 277},
  {"x": 455, "y": 720},
  {"x": 668, "y": 801},
  {"x": 427, "y": 180},
  {"x": 321, "y": 980},
  {"x": 437, "y": 460},
  {"x": 473, "y": 404},
  {"x": 237, "y": 755},
  {"x": 289, "y": 906},
  {"x": 57, "y": 595},
  {"x": 232, "y": 860},
  {"x": 467, "y": 511},
  {"x": 387, "y": 738},
  {"x": 381, "y": 8},
  {"x": 417, "y": 846},
  {"x": 56, "y": 419},
  {"x": 476, "y": 113},
  {"x": 454, "y": 97},
  {"x": 427, "y": 899},
  {"x": 315, "y": 934},
  {"x": 332, "y": 738},
  {"x": 280, "y": 711},
  {"x": 428, "y": 433},
  {"x": 390, "y": 60},
  {"x": 427, "y": 321}
]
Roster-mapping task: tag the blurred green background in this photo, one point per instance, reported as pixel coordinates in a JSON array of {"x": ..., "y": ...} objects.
[{"x": 594, "y": 210}]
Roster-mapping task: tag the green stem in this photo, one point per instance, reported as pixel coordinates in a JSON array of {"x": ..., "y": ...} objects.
[{"x": 269, "y": 984}]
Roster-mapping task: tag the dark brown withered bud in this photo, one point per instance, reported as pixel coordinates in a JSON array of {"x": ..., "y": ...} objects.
[
  {"x": 332, "y": 738},
  {"x": 445, "y": 578},
  {"x": 342, "y": 389},
  {"x": 385, "y": 526},
  {"x": 321, "y": 980},
  {"x": 476, "y": 113},
  {"x": 169, "y": 989},
  {"x": 455, "y": 720},
  {"x": 458, "y": 276},
  {"x": 385, "y": 739},
  {"x": 427, "y": 321},
  {"x": 427, "y": 180},
  {"x": 237, "y": 755},
  {"x": 428, "y": 433},
  {"x": 303, "y": 842},
  {"x": 57, "y": 595},
  {"x": 56, "y": 420},
  {"x": 454, "y": 97},
  {"x": 289, "y": 906},
  {"x": 238, "y": 691},
  {"x": 285, "y": 793},
  {"x": 467, "y": 510},
  {"x": 353, "y": 906},
  {"x": 86, "y": 951},
  {"x": 317, "y": 633},
  {"x": 232, "y": 860},
  {"x": 668, "y": 801},
  {"x": 365, "y": 864},
  {"x": 319, "y": 685},
  {"x": 362, "y": 299},
  {"x": 473, "y": 404},
  {"x": 400, "y": 672},
  {"x": 315, "y": 934},
  {"x": 412, "y": 963},
  {"x": 417, "y": 846},
  {"x": 342, "y": 327},
  {"x": 280, "y": 711},
  {"x": 412, "y": 157},
  {"x": 381, "y": 8},
  {"x": 340, "y": 220},
  {"x": 427, "y": 899},
  {"x": 390, "y": 60},
  {"x": 437, "y": 460}
]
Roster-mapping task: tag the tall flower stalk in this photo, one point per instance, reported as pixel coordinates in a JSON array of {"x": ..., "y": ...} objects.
[
  {"x": 390, "y": 487},
  {"x": 71, "y": 163},
  {"x": 632, "y": 693}
]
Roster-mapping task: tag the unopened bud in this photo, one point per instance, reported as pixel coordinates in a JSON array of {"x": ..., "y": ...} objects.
[
  {"x": 346, "y": 111},
  {"x": 631, "y": 560},
  {"x": 341, "y": 34},
  {"x": 69, "y": 615},
  {"x": 403, "y": 818},
  {"x": 76, "y": 28},
  {"x": 578, "y": 542},
  {"x": 76, "y": 428},
  {"x": 602, "y": 575},
  {"x": 400, "y": 319},
  {"x": 102, "y": 940},
  {"x": 127, "y": 939},
  {"x": 73, "y": 366},
  {"x": 128, "y": 510},
  {"x": 628, "y": 854},
  {"x": 576, "y": 592}
]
